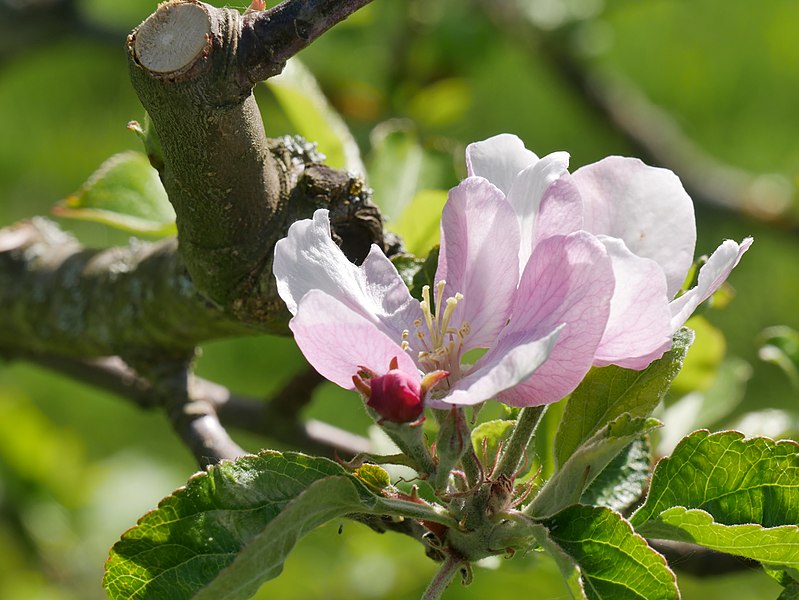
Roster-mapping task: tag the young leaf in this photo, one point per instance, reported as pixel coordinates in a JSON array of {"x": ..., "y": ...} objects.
[
  {"x": 488, "y": 436},
  {"x": 568, "y": 483},
  {"x": 309, "y": 111},
  {"x": 401, "y": 166},
  {"x": 609, "y": 392},
  {"x": 773, "y": 545},
  {"x": 736, "y": 480},
  {"x": 615, "y": 562},
  {"x": 126, "y": 193},
  {"x": 234, "y": 523},
  {"x": 420, "y": 223},
  {"x": 623, "y": 481}
]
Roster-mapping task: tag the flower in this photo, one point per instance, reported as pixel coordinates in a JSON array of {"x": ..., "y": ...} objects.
[
  {"x": 548, "y": 272},
  {"x": 643, "y": 217}
]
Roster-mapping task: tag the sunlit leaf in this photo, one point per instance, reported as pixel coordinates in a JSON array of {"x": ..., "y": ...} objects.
[
  {"x": 775, "y": 545},
  {"x": 125, "y": 193},
  {"x": 615, "y": 563},
  {"x": 419, "y": 224},
  {"x": 312, "y": 116},
  {"x": 231, "y": 528},
  {"x": 734, "y": 479},
  {"x": 608, "y": 392}
]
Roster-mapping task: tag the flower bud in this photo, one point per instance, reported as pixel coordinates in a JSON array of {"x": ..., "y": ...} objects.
[{"x": 395, "y": 396}]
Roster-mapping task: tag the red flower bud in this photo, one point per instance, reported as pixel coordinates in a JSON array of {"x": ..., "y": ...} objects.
[{"x": 396, "y": 397}]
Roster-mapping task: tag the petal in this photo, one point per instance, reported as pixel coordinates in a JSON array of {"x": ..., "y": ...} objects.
[
  {"x": 337, "y": 340},
  {"x": 569, "y": 280},
  {"x": 527, "y": 192},
  {"x": 711, "y": 276},
  {"x": 309, "y": 259},
  {"x": 510, "y": 362},
  {"x": 639, "y": 323},
  {"x": 561, "y": 211},
  {"x": 498, "y": 159},
  {"x": 480, "y": 247},
  {"x": 645, "y": 207}
]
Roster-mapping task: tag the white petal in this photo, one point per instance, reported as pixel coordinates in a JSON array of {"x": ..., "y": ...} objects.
[
  {"x": 498, "y": 159},
  {"x": 501, "y": 368},
  {"x": 645, "y": 207},
  {"x": 711, "y": 276},
  {"x": 639, "y": 323},
  {"x": 308, "y": 259},
  {"x": 337, "y": 340},
  {"x": 479, "y": 258},
  {"x": 527, "y": 191}
]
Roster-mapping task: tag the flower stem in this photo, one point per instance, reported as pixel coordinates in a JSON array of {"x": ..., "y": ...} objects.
[
  {"x": 519, "y": 441},
  {"x": 443, "y": 578}
]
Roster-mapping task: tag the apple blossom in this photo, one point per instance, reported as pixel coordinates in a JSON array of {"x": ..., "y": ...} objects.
[{"x": 549, "y": 273}]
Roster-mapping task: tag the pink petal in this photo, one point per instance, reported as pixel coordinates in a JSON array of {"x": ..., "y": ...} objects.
[
  {"x": 712, "y": 274},
  {"x": 479, "y": 246},
  {"x": 498, "y": 159},
  {"x": 569, "y": 280},
  {"x": 308, "y": 259},
  {"x": 639, "y": 323},
  {"x": 513, "y": 360},
  {"x": 527, "y": 192},
  {"x": 337, "y": 340},
  {"x": 561, "y": 211},
  {"x": 645, "y": 207}
]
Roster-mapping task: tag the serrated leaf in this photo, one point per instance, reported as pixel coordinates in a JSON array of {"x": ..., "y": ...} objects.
[
  {"x": 623, "y": 481},
  {"x": 775, "y": 545},
  {"x": 566, "y": 486},
  {"x": 226, "y": 519},
  {"x": 608, "y": 392},
  {"x": 125, "y": 193},
  {"x": 615, "y": 562},
  {"x": 264, "y": 556},
  {"x": 374, "y": 476},
  {"x": 313, "y": 117},
  {"x": 736, "y": 480}
]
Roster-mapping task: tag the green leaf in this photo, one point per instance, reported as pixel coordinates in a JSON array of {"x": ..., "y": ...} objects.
[
  {"x": 312, "y": 116},
  {"x": 615, "y": 563},
  {"x": 773, "y": 545},
  {"x": 623, "y": 481},
  {"x": 231, "y": 527},
  {"x": 736, "y": 480},
  {"x": 780, "y": 346},
  {"x": 572, "y": 575},
  {"x": 609, "y": 392},
  {"x": 420, "y": 223},
  {"x": 125, "y": 193},
  {"x": 401, "y": 167},
  {"x": 488, "y": 436},
  {"x": 568, "y": 483}
]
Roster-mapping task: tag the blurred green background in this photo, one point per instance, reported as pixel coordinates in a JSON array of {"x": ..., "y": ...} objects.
[{"x": 78, "y": 467}]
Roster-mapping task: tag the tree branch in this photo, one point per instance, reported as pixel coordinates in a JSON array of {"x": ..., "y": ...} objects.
[{"x": 276, "y": 418}]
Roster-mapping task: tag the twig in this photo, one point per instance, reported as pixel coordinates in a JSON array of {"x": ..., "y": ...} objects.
[
  {"x": 250, "y": 414},
  {"x": 650, "y": 131},
  {"x": 270, "y": 38}
]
